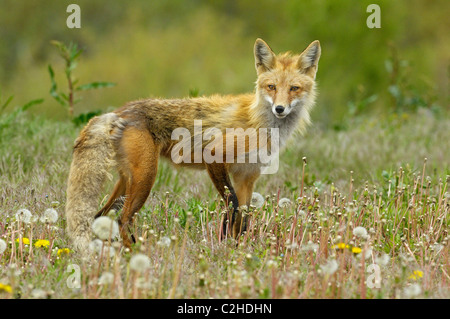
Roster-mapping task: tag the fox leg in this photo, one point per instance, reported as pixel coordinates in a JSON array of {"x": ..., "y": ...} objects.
[
  {"x": 138, "y": 154},
  {"x": 114, "y": 201},
  {"x": 244, "y": 184},
  {"x": 219, "y": 176}
]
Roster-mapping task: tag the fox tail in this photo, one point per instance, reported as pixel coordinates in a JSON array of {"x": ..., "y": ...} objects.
[{"x": 93, "y": 156}]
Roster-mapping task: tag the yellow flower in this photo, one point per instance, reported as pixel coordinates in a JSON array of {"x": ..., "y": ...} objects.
[
  {"x": 416, "y": 275},
  {"x": 25, "y": 240},
  {"x": 340, "y": 246},
  {"x": 42, "y": 243},
  {"x": 356, "y": 250},
  {"x": 5, "y": 288},
  {"x": 63, "y": 251}
]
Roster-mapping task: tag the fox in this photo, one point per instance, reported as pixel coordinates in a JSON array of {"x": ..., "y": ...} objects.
[{"x": 133, "y": 138}]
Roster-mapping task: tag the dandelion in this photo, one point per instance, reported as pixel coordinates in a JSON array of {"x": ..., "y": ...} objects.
[
  {"x": 104, "y": 227},
  {"x": 5, "y": 288},
  {"x": 50, "y": 216},
  {"x": 356, "y": 250},
  {"x": 96, "y": 246},
  {"x": 340, "y": 246},
  {"x": 382, "y": 260},
  {"x": 139, "y": 263},
  {"x": 106, "y": 278},
  {"x": 416, "y": 275},
  {"x": 42, "y": 243},
  {"x": 23, "y": 215},
  {"x": 25, "y": 240},
  {"x": 63, "y": 251},
  {"x": 2, "y": 246},
  {"x": 257, "y": 200},
  {"x": 330, "y": 267},
  {"x": 412, "y": 291},
  {"x": 284, "y": 202},
  {"x": 360, "y": 232},
  {"x": 164, "y": 242}
]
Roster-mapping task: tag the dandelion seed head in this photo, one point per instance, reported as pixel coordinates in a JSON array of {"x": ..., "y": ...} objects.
[
  {"x": 257, "y": 200},
  {"x": 330, "y": 267},
  {"x": 164, "y": 241},
  {"x": 412, "y": 291},
  {"x": 360, "y": 232},
  {"x": 23, "y": 215},
  {"x": 106, "y": 278},
  {"x": 104, "y": 227},
  {"x": 140, "y": 263},
  {"x": 284, "y": 202},
  {"x": 50, "y": 216},
  {"x": 39, "y": 294}
]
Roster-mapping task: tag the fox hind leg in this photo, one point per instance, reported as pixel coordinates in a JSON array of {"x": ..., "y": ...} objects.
[
  {"x": 116, "y": 200},
  {"x": 139, "y": 155}
]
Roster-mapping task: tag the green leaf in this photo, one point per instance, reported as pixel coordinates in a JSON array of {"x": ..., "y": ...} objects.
[
  {"x": 30, "y": 104},
  {"x": 6, "y": 103},
  {"x": 54, "y": 87},
  {"x": 95, "y": 85}
]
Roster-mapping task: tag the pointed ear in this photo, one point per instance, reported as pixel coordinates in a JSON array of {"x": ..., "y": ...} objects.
[
  {"x": 264, "y": 56},
  {"x": 309, "y": 59}
]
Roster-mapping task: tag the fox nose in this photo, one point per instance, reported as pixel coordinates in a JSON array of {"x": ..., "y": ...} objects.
[{"x": 279, "y": 109}]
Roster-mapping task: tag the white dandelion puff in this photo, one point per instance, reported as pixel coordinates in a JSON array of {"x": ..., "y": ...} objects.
[
  {"x": 360, "y": 232},
  {"x": 106, "y": 278},
  {"x": 50, "y": 216},
  {"x": 2, "y": 246},
  {"x": 164, "y": 242},
  {"x": 412, "y": 291},
  {"x": 284, "y": 202},
  {"x": 105, "y": 228},
  {"x": 383, "y": 260},
  {"x": 96, "y": 246},
  {"x": 330, "y": 267},
  {"x": 23, "y": 215},
  {"x": 140, "y": 263},
  {"x": 257, "y": 200},
  {"x": 39, "y": 294}
]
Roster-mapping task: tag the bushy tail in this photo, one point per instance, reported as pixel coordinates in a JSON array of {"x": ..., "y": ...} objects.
[{"x": 93, "y": 156}]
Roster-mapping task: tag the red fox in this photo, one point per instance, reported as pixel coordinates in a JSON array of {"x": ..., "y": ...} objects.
[{"x": 135, "y": 136}]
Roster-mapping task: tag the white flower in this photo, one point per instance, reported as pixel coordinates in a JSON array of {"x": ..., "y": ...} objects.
[
  {"x": 104, "y": 227},
  {"x": 257, "y": 200},
  {"x": 106, "y": 278},
  {"x": 164, "y": 241},
  {"x": 2, "y": 246},
  {"x": 412, "y": 291},
  {"x": 23, "y": 215},
  {"x": 140, "y": 262},
  {"x": 50, "y": 216},
  {"x": 284, "y": 202},
  {"x": 96, "y": 246},
  {"x": 360, "y": 232},
  {"x": 330, "y": 267}
]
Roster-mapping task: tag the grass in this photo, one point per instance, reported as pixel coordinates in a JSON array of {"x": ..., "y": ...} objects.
[{"x": 372, "y": 174}]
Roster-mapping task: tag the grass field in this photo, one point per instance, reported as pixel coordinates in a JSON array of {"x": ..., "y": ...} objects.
[{"x": 374, "y": 205}]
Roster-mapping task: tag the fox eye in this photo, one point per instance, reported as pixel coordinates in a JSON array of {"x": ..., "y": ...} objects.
[
  {"x": 271, "y": 87},
  {"x": 294, "y": 88}
]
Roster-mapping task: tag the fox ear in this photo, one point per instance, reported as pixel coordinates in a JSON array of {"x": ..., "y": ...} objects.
[
  {"x": 309, "y": 59},
  {"x": 264, "y": 56}
]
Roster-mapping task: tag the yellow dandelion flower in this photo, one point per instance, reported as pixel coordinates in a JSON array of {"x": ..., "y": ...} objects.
[
  {"x": 25, "y": 240},
  {"x": 63, "y": 251},
  {"x": 5, "y": 288},
  {"x": 416, "y": 275},
  {"x": 42, "y": 243},
  {"x": 340, "y": 246},
  {"x": 356, "y": 250}
]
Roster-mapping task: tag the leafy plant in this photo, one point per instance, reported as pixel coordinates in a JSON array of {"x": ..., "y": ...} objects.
[
  {"x": 71, "y": 54},
  {"x": 7, "y": 119}
]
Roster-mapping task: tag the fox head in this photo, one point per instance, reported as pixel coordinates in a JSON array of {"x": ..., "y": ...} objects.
[{"x": 285, "y": 82}]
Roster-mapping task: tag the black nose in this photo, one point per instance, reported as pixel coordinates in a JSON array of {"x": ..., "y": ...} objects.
[{"x": 279, "y": 109}]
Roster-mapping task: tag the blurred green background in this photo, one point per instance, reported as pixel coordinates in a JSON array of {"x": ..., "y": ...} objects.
[{"x": 167, "y": 48}]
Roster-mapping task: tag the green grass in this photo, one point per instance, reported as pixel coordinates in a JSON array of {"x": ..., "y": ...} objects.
[{"x": 371, "y": 174}]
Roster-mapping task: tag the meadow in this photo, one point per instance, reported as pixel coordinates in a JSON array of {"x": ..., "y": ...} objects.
[
  {"x": 373, "y": 194},
  {"x": 358, "y": 209}
]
